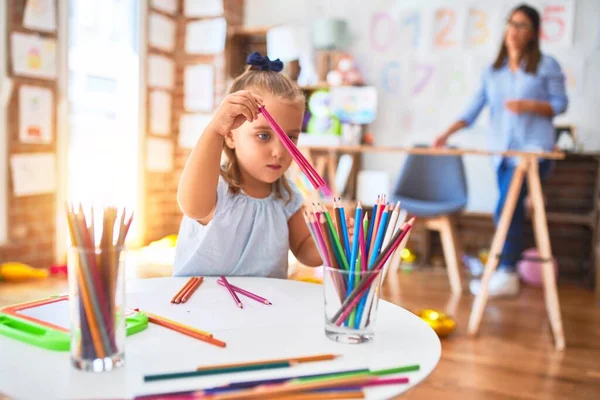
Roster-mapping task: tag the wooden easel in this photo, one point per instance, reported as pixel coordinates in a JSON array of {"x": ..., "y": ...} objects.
[{"x": 527, "y": 167}]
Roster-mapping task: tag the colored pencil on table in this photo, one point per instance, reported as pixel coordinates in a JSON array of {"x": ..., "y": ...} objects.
[
  {"x": 262, "y": 392},
  {"x": 231, "y": 292},
  {"x": 246, "y": 293},
  {"x": 156, "y": 319},
  {"x": 188, "y": 332},
  {"x": 329, "y": 394},
  {"x": 231, "y": 370},
  {"x": 291, "y": 360},
  {"x": 182, "y": 290},
  {"x": 190, "y": 291}
]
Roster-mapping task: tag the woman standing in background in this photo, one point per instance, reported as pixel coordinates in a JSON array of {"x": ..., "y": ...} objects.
[{"x": 524, "y": 90}]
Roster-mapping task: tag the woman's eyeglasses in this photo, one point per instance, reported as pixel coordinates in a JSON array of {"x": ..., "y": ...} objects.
[{"x": 520, "y": 26}]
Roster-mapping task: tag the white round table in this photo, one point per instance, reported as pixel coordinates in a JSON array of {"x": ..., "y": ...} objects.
[{"x": 291, "y": 327}]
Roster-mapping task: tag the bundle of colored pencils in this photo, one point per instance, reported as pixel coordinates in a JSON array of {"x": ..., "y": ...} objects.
[
  {"x": 96, "y": 270},
  {"x": 313, "y": 176},
  {"x": 374, "y": 242},
  {"x": 187, "y": 290},
  {"x": 336, "y": 384}
]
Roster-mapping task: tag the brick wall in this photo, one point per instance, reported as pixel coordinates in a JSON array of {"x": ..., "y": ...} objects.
[
  {"x": 161, "y": 210},
  {"x": 31, "y": 219}
]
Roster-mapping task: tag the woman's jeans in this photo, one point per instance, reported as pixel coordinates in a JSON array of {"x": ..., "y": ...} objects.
[{"x": 513, "y": 246}]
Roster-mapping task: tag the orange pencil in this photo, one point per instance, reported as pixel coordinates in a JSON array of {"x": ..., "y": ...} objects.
[
  {"x": 191, "y": 289},
  {"x": 292, "y": 360},
  {"x": 182, "y": 290},
  {"x": 155, "y": 318},
  {"x": 188, "y": 332}
]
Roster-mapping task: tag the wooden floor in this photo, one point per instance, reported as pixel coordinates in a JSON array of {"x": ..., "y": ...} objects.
[{"x": 513, "y": 358}]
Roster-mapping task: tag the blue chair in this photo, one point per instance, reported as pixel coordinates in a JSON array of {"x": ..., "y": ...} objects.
[{"x": 433, "y": 188}]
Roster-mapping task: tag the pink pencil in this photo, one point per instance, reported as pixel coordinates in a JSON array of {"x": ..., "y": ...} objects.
[
  {"x": 230, "y": 289},
  {"x": 309, "y": 171},
  {"x": 246, "y": 293}
]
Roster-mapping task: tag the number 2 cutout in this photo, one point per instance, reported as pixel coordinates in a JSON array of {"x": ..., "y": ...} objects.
[{"x": 447, "y": 19}]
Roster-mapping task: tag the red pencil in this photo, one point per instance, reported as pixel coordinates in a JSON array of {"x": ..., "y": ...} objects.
[{"x": 230, "y": 289}]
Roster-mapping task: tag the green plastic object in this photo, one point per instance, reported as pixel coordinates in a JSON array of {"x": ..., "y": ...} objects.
[{"x": 53, "y": 339}]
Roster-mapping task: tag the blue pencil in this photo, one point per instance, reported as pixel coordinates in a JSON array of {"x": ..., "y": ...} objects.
[
  {"x": 345, "y": 232},
  {"x": 379, "y": 238},
  {"x": 374, "y": 253}
]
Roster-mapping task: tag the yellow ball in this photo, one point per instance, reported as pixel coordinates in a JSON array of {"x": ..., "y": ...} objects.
[{"x": 442, "y": 324}]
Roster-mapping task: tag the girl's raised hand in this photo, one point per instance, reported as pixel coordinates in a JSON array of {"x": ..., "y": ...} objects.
[{"x": 235, "y": 109}]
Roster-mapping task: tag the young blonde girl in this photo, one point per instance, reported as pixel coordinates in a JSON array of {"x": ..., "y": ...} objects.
[{"x": 242, "y": 218}]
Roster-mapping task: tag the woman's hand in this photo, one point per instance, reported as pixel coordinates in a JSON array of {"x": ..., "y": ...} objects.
[
  {"x": 235, "y": 109},
  {"x": 519, "y": 106},
  {"x": 440, "y": 141}
]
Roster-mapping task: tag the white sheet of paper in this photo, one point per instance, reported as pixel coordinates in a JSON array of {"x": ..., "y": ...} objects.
[
  {"x": 161, "y": 72},
  {"x": 206, "y": 36},
  {"x": 159, "y": 155},
  {"x": 40, "y": 15},
  {"x": 33, "y": 173},
  {"x": 33, "y": 56},
  {"x": 191, "y": 127},
  {"x": 203, "y": 8},
  {"x": 167, "y": 6},
  {"x": 199, "y": 87},
  {"x": 160, "y": 112},
  {"x": 161, "y": 32},
  {"x": 35, "y": 114}
]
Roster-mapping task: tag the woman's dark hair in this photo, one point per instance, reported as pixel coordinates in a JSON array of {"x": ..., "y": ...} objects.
[{"x": 532, "y": 54}]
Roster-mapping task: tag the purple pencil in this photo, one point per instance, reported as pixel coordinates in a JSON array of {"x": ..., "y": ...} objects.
[
  {"x": 246, "y": 293},
  {"x": 230, "y": 289}
]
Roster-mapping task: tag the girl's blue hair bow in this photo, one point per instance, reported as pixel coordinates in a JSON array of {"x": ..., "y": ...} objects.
[{"x": 263, "y": 63}]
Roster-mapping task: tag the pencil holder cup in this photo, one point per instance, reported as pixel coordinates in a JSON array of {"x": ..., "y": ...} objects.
[
  {"x": 97, "y": 306},
  {"x": 351, "y": 299}
]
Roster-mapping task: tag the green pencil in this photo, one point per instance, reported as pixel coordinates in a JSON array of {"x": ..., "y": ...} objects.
[{"x": 215, "y": 371}]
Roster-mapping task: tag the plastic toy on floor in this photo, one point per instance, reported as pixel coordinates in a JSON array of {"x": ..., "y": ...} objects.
[
  {"x": 441, "y": 323},
  {"x": 18, "y": 272}
]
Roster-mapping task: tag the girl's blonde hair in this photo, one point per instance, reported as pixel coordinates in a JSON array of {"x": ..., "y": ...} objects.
[{"x": 278, "y": 85}]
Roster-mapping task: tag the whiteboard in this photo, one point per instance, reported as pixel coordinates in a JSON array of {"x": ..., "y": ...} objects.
[{"x": 426, "y": 66}]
